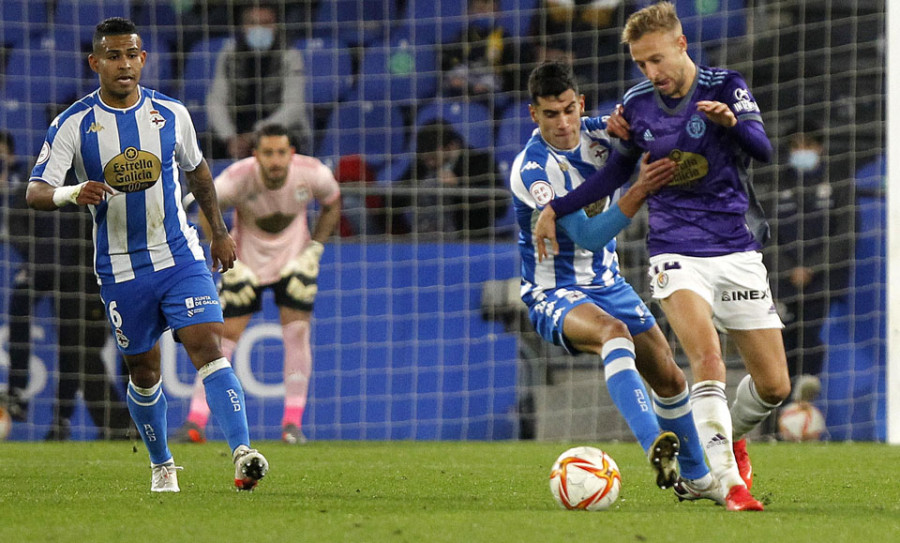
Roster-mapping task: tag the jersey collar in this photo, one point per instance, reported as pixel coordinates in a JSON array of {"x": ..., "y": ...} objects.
[{"x": 103, "y": 105}]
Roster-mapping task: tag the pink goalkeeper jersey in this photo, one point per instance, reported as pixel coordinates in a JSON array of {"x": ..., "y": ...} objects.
[{"x": 240, "y": 187}]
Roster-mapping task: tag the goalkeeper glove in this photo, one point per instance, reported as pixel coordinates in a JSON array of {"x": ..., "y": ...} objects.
[
  {"x": 239, "y": 286},
  {"x": 306, "y": 263}
]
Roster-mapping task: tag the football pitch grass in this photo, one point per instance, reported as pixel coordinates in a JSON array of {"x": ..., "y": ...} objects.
[{"x": 429, "y": 491}]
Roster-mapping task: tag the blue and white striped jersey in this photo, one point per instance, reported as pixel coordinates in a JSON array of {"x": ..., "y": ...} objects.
[
  {"x": 141, "y": 228},
  {"x": 541, "y": 173}
]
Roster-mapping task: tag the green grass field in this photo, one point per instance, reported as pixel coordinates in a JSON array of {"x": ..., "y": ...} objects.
[{"x": 412, "y": 491}]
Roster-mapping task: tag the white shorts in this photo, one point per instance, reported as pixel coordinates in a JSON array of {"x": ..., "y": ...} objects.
[{"x": 736, "y": 286}]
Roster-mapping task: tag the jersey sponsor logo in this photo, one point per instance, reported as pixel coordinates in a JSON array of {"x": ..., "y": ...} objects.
[
  {"x": 741, "y": 295},
  {"x": 301, "y": 194},
  {"x": 531, "y": 165},
  {"x": 95, "y": 128},
  {"x": 194, "y": 304},
  {"x": 696, "y": 127},
  {"x": 691, "y": 168},
  {"x": 157, "y": 120},
  {"x": 743, "y": 102},
  {"x": 44, "y": 155},
  {"x": 132, "y": 170},
  {"x": 542, "y": 192}
]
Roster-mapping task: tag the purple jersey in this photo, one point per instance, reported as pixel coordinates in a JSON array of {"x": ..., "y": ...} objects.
[{"x": 710, "y": 208}]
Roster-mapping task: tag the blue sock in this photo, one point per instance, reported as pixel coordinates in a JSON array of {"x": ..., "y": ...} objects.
[
  {"x": 148, "y": 409},
  {"x": 627, "y": 390},
  {"x": 226, "y": 401},
  {"x": 675, "y": 416}
]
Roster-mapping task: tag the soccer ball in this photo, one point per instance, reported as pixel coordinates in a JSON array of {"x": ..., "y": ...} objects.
[
  {"x": 585, "y": 478},
  {"x": 801, "y": 421},
  {"x": 5, "y": 423}
]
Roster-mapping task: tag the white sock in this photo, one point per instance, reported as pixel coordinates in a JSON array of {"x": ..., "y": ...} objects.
[
  {"x": 713, "y": 422},
  {"x": 748, "y": 409}
]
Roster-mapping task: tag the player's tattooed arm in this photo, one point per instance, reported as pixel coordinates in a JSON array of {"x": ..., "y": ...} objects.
[{"x": 222, "y": 246}]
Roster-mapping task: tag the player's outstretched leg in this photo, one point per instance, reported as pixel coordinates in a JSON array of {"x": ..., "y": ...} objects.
[
  {"x": 249, "y": 467},
  {"x": 194, "y": 428},
  {"x": 225, "y": 397},
  {"x": 695, "y": 482},
  {"x": 714, "y": 428}
]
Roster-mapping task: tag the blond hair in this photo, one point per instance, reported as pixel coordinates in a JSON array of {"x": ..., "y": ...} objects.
[{"x": 659, "y": 17}]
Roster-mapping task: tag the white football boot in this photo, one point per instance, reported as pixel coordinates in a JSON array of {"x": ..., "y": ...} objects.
[
  {"x": 688, "y": 490},
  {"x": 164, "y": 477}
]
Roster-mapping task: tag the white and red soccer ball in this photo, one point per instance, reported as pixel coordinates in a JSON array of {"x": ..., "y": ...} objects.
[
  {"x": 585, "y": 478},
  {"x": 801, "y": 421}
]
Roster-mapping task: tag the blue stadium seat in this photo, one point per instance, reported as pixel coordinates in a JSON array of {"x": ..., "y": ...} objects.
[
  {"x": 513, "y": 132},
  {"x": 430, "y": 21},
  {"x": 159, "y": 70},
  {"x": 355, "y": 22},
  {"x": 398, "y": 72},
  {"x": 517, "y": 16},
  {"x": 329, "y": 70},
  {"x": 472, "y": 120},
  {"x": 710, "y": 21},
  {"x": 199, "y": 71},
  {"x": 374, "y": 130},
  {"x": 83, "y": 15},
  {"x": 21, "y": 20}
]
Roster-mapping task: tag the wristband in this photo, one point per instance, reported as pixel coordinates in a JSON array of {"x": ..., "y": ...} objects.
[{"x": 63, "y": 196}]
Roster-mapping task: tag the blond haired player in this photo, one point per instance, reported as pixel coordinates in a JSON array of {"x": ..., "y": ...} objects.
[{"x": 270, "y": 193}]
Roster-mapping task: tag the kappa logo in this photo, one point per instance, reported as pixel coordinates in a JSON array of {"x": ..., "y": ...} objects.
[
  {"x": 648, "y": 135},
  {"x": 531, "y": 165},
  {"x": 95, "y": 128}
]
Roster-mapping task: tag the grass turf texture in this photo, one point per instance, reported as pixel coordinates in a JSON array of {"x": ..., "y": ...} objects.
[{"x": 414, "y": 491}]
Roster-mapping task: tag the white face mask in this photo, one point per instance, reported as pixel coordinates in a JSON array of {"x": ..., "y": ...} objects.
[
  {"x": 804, "y": 160},
  {"x": 260, "y": 38}
]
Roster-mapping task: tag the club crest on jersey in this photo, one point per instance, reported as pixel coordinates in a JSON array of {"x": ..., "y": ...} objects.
[
  {"x": 122, "y": 339},
  {"x": 691, "y": 168},
  {"x": 696, "y": 127},
  {"x": 132, "y": 170},
  {"x": 662, "y": 279},
  {"x": 157, "y": 120},
  {"x": 44, "y": 156},
  {"x": 542, "y": 192}
]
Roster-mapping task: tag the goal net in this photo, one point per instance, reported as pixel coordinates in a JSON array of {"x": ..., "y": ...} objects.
[{"x": 417, "y": 331}]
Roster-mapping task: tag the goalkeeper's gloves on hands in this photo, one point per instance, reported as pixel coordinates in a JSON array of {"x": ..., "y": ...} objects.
[
  {"x": 239, "y": 286},
  {"x": 306, "y": 263}
]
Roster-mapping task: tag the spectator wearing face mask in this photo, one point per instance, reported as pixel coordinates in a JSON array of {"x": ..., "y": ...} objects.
[
  {"x": 259, "y": 80},
  {"x": 815, "y": 233}
]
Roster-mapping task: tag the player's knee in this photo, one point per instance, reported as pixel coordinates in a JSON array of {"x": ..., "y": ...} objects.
[
  {"x": 143, "y": 376},
  {"x": 609, "y": 328},
  {"x": 773, "y": 392}
]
